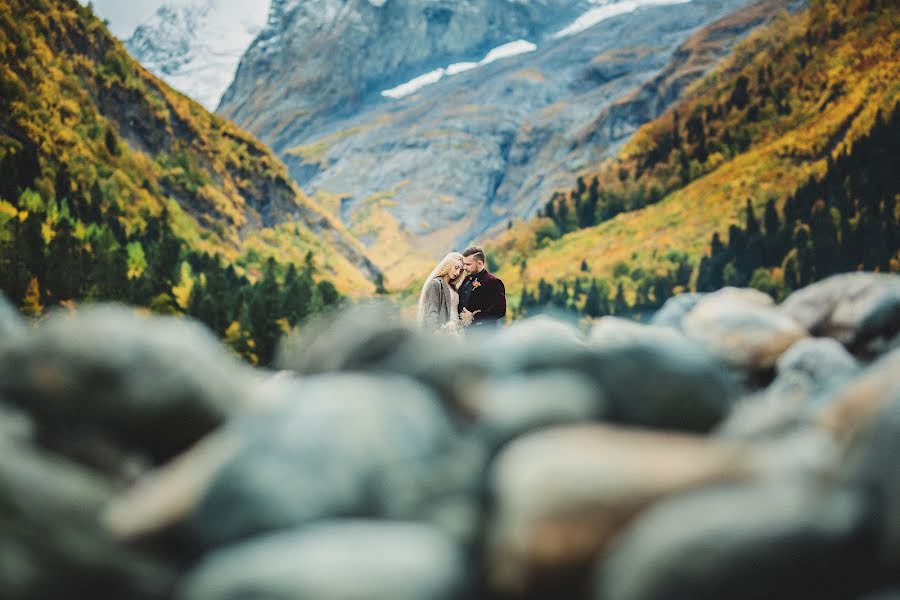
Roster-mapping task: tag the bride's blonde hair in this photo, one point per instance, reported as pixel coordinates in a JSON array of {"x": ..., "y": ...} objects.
[{"x": 442, "y": 269}]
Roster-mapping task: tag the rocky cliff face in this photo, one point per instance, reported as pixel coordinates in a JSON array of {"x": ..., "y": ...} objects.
[
  {"x": 489, "y": 140},
  {"x": 321, "y": 59}
]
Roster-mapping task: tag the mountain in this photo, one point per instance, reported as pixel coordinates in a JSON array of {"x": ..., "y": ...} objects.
[
  {"x": 775, "y": 170},
  {"x": 340, "y": 90},
  {"x": 116, "y": 187},
  {"x": 196, "y": 47}
]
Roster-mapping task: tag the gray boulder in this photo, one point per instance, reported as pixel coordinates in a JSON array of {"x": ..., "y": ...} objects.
[
  {"x": 353, "y": 340},
  {"x": 744, "y": 541},
  {"x": 341, "y": 445},
  {"x": 743, "y": 328},
  {"x": 335, "y": 560},
  {"x": 675, "y": 309},
  {"x": 654, "y": 378},
  {"x": 507, "y": 407},
  {"x": 857, "y": 309},
  {"x": 872, "y": 468},
  {"x": 106, "y": 378},
  {"x": 51, "y": 543},
  {"x": 562, "y": 495},
  {"x": 807, "y": 374}
]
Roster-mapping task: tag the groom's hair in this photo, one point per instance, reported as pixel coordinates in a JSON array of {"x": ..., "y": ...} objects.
[{"x": 475, "y": 251}]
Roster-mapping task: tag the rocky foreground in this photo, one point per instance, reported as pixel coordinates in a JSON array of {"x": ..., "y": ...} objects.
[{"x": 731, "y": 449}]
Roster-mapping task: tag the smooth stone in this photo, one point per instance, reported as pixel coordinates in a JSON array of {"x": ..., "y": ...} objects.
[
  {"x": 449, "y": 366},
  {"x": 562, "y": 494},
  {"x": 665, "y": 383},
  {"x": 336, "y": 560},
  {"x": 615, "y": 331},
  {"x": 51, "y": 544},
  {"x": 356, "y": 339},
  {"x": 335, "y": 445},
  {"x": 108, "y": 377},
  {"x": 742, "y": 328},
  {"x": 656, "y": 378},
  {"x": 872, "y": 468},
  {"x": 15, "y": 424},
  {"x": 806, "y": 374},
  {"x": 851, "y": 407},
  {"x": 743, "y": 541},
  {"x": 505, "y": 408},
  {"x": 854, "y": 308},
  {"x": 531, "y": 344},
  {"x": 674, "y": 310}
]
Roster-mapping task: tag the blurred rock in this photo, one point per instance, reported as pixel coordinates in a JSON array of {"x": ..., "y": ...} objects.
[
  {"x": 854, "y": 308},
  {"x": 338, "y": 560},
  {"x": 802, "y": 453},
  {"x": 675, "y": 309},
  {"x": 339, "y": 445},
  {"x": 354, "y": 340},
  {"x": 649, "y": 376},
  {"x": 615, "y": 331},
  {"x": 447, "y": 365},
  {"x": 852, "y": 406},
  {"x": 743, "y": 328},
  {"x": 507, "y": 407},
  {"x": 161, "y": 500},
  {"x": 532, "y": 344},
  {"x": 15, "y": 425},
  {"x": 743, "y": 541},
  {"x": 105, "y": 381},
  {"x": 11, "y": 323},
  {"x": 806, "y": 374},
  {"x": 51, "y": 545},
  {"x": 670, "y": 383},
  {"x": 562, "y": 494},
  {"x": 872, "y": 468}
]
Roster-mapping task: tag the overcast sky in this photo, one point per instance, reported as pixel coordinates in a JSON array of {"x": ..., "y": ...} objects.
[{"x": 124, "y": 16}]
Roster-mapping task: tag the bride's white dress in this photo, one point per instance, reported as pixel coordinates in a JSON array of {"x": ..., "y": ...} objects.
[{"x": 453, "y": 324}]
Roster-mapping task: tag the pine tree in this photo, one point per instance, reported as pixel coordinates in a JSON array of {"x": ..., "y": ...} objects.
[
  {"x": 620, "y": 305},
  {"x": 65, "y": 265}
]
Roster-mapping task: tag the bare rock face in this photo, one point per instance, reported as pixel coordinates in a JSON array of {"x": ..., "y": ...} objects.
[{"x": 334, "y": 53}]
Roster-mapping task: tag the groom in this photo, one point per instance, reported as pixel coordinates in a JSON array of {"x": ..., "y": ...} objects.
[{"x": 481, "y": 293}]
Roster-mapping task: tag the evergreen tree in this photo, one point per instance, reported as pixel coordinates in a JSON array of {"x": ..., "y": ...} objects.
[
  {"x": 620, "y": 305},
  {"x": 65, "y": 265}
]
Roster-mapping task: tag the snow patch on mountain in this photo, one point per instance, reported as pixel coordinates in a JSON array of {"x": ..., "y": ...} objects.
[
  {"x": 503, "y": 51},
  {"x": 607, "y": 10},
  {"x": 196, "y": 47}
]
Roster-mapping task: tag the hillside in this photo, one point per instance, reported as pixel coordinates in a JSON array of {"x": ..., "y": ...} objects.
[
  {"x": 777, "y": 116},
  {"x": 116, "y": 187}
]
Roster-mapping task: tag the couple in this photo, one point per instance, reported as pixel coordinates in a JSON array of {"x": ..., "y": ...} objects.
[{"x": 461, "y": 292}]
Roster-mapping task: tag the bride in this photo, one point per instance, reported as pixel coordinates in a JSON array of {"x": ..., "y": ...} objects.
[{"x": 439, "y": 300}]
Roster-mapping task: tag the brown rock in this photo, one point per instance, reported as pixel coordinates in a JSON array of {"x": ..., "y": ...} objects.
[
  {"x": 563, "y": 493},
  {"x": 743, "y": 328}
]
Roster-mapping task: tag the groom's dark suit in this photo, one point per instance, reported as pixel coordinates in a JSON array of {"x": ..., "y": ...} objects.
[{"x": 484, "y": 293}]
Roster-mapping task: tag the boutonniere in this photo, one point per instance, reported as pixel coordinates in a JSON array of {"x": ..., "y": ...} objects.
[{"x": 476, "y": 284}]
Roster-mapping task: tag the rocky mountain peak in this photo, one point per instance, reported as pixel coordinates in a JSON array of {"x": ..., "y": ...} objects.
[{"x": 196, "y": 47}]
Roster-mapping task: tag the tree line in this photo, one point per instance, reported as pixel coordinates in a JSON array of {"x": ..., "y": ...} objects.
[{"x": 49, "y": 256}]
